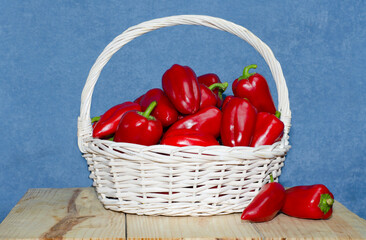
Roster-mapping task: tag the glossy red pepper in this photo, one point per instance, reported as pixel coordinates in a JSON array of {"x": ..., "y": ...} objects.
[
  {"x": 311, "y": 202},
  {"x": 209, "y": 79},
  {"x": 188, "y": 137},
  {"x": 181, "y": 86},
  {"x": 164, "y": 110},
  {"x": 268, "y": 129},
  {"x": 108, "y": 122},
  {"x": 207, "y": 120},
  {"x": 226, "y": 100},
  {"x": 139, "y": 127},
  {"x": 208, "y": 97},
  {"x": 238, "y": 122},
  {"x": 138, "y": 100},
  {"x": 254, "y": 87},
  {"x": 266, "y": 204}
]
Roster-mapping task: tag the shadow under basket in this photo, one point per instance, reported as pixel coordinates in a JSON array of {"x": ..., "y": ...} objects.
[{"x": 180, "y": 181}]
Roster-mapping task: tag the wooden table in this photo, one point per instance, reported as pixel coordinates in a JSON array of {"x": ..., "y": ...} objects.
[{"x": 76, "y": 213}]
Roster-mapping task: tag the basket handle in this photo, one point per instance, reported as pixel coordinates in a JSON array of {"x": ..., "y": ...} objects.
[{"x": 84, "y": 123}]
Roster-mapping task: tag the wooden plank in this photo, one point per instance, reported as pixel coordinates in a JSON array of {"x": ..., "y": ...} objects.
[
  {"x": 70, "y": 213},
  {"x": 215, "y": 227},
  {"x": 342, "y": 225},
  {"x": 76, "y": 213}
]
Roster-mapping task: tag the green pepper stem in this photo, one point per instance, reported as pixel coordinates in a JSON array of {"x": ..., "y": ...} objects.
[
  {"x": 219, "y": 94},
  {"x": 149, "y": 109},
  {"x": 95, "y": 119},
  {"x": 271, "y": 177},
  {"x": 278, "y": 114},
  {"x": 246, "y": 73},
  {"x": 221, "y": 86},
  {"x": 325, "y": 203}
]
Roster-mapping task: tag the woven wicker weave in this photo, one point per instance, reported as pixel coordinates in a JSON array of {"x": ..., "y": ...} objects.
[{"x": 178, "y": 181}]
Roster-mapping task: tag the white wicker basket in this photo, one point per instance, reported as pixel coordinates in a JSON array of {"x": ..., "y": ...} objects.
[{"x": 180, "y": 181}]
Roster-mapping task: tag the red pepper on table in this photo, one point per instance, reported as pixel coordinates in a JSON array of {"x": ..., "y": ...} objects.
[
  {"x": 208, "y": 97},
  {"x": 209, "y": 79},
  {"x": 139, "y": 127},
  {"x": 164, "y": 110},
  {"x": 181, "y": 86},
  {"x": 238, "y": 122},
  {"x": 108, "y": 122},
  {"x": 311, "y": 202},
  {"x": 188, "y": 137},
  {"x": 268, "y": 129},
  {"x": 266, "y": 204},
  {"x": 207, "y": 120},
  {"x": 254, "y": 87}
]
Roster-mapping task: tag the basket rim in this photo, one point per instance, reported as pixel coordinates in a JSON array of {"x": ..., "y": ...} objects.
[
  {"x": 192, "y": 155},
  {"x": 187, "y": 148}
]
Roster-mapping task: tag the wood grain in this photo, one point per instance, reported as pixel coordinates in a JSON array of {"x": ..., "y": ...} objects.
[
  {"x": 342, "y": 225},
  {"x": 76, "y": 213},
  {"x": 216, "y": 227},
  {"x": 70, "y": 213}
]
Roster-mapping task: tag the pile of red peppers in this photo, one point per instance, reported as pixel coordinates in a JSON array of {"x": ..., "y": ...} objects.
[{"x": 189, "y": 110}]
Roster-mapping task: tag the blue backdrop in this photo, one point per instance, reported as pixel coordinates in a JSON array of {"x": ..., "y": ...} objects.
[{"x": 48, "y": 47}]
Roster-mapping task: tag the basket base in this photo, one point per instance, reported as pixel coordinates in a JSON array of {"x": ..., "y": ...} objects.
[{"x": 199, "y": 184}]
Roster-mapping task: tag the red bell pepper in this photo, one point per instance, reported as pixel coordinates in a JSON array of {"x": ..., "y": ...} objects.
[
  {"x": 208, "y": 97},
  {"x": 266, "y": 204},
  {"x": 207, "y": 120},
  {"x": 311, "y": 202},
  {"x": 209, "y": 79},
  {"x": 108, "y": 122},
  {"x": 182, "y": 88},
  {"x": 138, "y": 100},
  {"x": 139, "y": 127},
  {"x": 226, "y": 100},
  {"x": 188, "y": 137},
  {"x": 238, "y": 122},
  {"x": 164, "y": 110},
  {"x": 254, "y": 87},
  {"x": 268, "y": 129}
]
